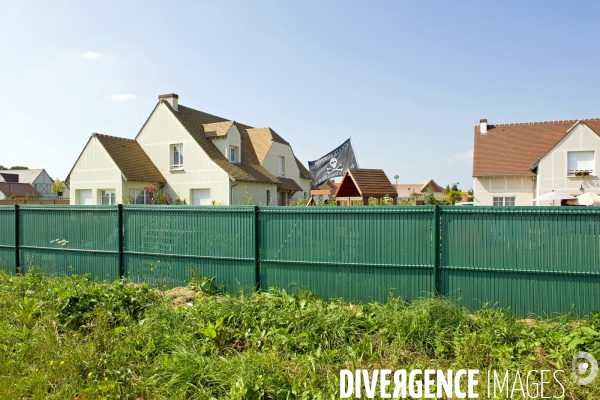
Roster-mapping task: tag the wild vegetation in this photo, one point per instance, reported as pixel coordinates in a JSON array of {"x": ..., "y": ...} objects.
[{"x": 73, "y": 338}]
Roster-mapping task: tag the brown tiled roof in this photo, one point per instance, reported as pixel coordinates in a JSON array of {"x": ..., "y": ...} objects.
[
  {"x": 132, "y": 161},
  {"x": 217, "y": 129},
  {"x": 304, "y": 173},
  {"x": 257, "y": 142},
  {"x": 514, "y": 149},
  {"x": 406, "y": 189},
  {"x": 288, "y": 184},
  {"x": 248, "y": 170},
  {"x": 18, "y": 190},
  {"x": 365, "y": 183}
]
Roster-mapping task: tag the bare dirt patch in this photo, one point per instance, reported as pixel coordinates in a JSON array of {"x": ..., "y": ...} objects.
[{"x": 180, "y": 296}]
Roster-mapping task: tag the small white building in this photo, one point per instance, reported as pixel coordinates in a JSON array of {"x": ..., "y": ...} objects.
[
  {"x": 514, "y": 163},
  {"x": 190, "y": 155}
]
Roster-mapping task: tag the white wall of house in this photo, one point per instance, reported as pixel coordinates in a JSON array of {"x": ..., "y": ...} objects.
[
  {"x": 94, "y": 171},
  {"x": 257, "y": 191},
  {"x": 161, "y": 132},
  {"x": 520, "y": 187},
  {"x": 271, "y": 164},
  {"x": 232, "y": 139},
  {"x": 553, "y": 168}
]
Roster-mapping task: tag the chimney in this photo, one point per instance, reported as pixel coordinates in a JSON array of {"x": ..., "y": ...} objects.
[
  {"x": 483, "y": 126},
  {"x": 170, "y": 98}
]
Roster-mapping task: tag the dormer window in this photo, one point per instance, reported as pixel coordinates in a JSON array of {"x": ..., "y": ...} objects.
[
  {"x": 233, "y": 154},
  {"x": 177, "y": 156}
]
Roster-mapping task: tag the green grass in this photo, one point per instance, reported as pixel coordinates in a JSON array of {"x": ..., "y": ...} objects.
[{"x": 66, "y": 337}]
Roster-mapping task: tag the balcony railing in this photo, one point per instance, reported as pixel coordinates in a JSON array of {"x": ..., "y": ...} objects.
[{"x": 580, "y": 172}]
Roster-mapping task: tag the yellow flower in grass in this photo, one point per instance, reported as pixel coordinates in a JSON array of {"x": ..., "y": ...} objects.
[
  {"x": 62, "y": 363},
  {"x": 90, "y": 374},
  {"x": 51, "y": 362}
]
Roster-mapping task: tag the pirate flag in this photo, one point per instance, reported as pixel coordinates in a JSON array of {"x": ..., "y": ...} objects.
[{"x": 333, "y": 164}]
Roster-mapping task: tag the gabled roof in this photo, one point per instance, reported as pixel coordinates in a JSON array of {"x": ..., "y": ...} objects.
[
  {"x": 514, "y": 149},
  {"x": 360, "y": 182},
  {"x": 25, "y": 175},
  {"x": 217, "y": 129},
  {"x": 304, "y": 173},
  {"x": 250, "y": 169},
  {"x": 288, "y": 184},
  {"x": 406, "y": 189},
  {"x": 131, "y": 159},
  {"x": 18, "y": 190}
]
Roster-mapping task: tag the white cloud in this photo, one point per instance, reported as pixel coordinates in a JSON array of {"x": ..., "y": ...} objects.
[
  {"x": 122, "y": 97},
  {"x": 90, "y": 55},
  {"x": 461, "y": 157}
]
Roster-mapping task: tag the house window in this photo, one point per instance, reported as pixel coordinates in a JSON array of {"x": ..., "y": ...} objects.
[
  {"x": 139, "y": 196},
  {"x": 108, "y": 197},
  {"x": 233, "y": 154},
  {"x": 177, "y": 156},
  {"x": 580, "y": 161},
  {"x": 281, "y": 165},
  {"x": 268, "y": 197},
  {"x": 505, "y": 201}
]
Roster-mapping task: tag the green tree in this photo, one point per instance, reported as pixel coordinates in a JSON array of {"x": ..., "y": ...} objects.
[
  {"x": 57, "y": 187},
  {"x": 2, "y": 167},
  {"x": 429, "y": 197},
  {"x": 18, "y": 167}
]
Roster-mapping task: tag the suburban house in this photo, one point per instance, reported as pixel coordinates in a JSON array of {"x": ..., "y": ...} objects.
[
  {"x": 189, "y": 155},
  {"x": 9, "y": 190},
  {"x": 415, "y": 192},
  {"x": 515, "y": 163},
  {"x": 38, "y": 178}
]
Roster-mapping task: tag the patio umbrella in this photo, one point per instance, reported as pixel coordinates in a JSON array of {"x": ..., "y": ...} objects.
[
  {"x": 554, "y": 196},
  {"x": 588, "y": 199}
]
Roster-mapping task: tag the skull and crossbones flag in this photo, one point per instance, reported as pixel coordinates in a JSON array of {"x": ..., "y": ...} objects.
[{"x": 333, "y": 164}]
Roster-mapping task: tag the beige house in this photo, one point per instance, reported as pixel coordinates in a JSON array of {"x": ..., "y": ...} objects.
[
  {"x": 515, "y": 163},
  {"x": 190, "y": 155},
  {"x": 38, "y": 178},
  {"x": 415, "y": 192}
]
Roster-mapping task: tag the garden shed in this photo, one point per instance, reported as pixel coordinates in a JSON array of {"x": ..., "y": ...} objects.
[{"x": 361, "y": 184}]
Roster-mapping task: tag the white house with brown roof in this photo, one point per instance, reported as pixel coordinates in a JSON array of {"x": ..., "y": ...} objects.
[
  {"x": 514, "y": 163},
  {"x": 416, "y": 192},
  {"x": 192, "y": 155}
]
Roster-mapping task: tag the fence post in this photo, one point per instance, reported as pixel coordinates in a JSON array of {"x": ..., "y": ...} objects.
[
  {"x": 436, "y": 249},
  {"x": 17, "y": 234},
  {"x": 256, "y": 247},
  {"x": 121, "y": 232}
]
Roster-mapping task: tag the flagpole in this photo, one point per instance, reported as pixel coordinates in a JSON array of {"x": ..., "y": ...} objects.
[{"x": 354, "y": 150}]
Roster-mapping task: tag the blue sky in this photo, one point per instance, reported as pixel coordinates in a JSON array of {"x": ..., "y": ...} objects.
[{"x": 406, "y": 80}]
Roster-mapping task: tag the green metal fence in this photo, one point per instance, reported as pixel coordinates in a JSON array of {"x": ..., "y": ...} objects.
[
  {"x": 538, "y": 260},
  {"x": 8, "y": 251},
  {"x": 164, "y": 244},
  {"x": 92, "y": 233},
  {"x": 533, "y": 259},
  {"x": 358, "y": 253}
]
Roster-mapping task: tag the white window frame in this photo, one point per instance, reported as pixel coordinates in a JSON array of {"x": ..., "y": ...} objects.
[
  {"x": 110, "y": 194},
  {"x": 504, "y": 201},
  {"x": 281, "y": 166},
  {"x": 177, "y": 160},
  {"x": 233, "y": 154},
  {"x": 571, "y": 168},
  {"x": 134, "y": 194}
]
